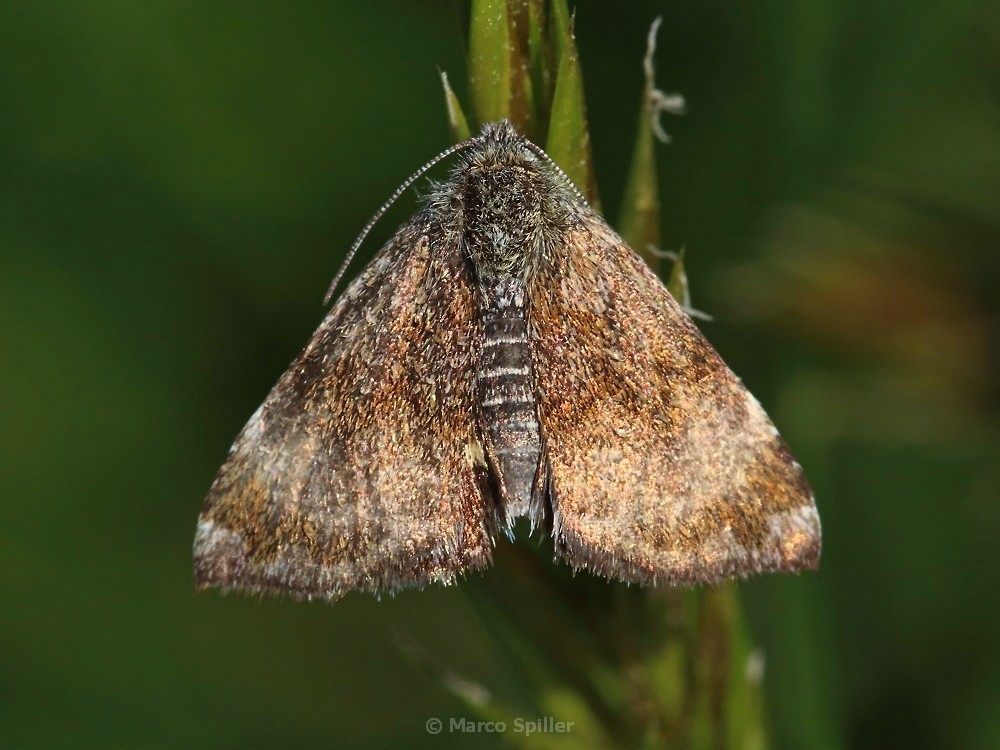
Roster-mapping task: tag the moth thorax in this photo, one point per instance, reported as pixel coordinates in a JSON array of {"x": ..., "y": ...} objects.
[{"x": 503, "y": 220}]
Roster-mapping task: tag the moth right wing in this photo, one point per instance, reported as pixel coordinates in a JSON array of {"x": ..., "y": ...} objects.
[
  {"x": 662, "y": 467},
  {"x": 362, "y": 468}
]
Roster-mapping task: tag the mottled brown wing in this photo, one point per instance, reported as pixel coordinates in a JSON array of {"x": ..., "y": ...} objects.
[
  {"x": 359, "y": 470},
  {"x": 662, "y": 466}
]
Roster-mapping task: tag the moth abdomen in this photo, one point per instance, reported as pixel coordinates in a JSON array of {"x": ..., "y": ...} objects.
[{"x": 507, "y": 402}]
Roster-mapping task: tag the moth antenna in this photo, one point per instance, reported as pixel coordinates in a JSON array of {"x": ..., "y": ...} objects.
[
  {"x": 557, "y": 169},
  {"x": 387, "y": 205}
]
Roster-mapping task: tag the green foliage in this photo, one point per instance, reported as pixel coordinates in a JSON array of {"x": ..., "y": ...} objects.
[
  {"x": 458, "y": 125},
  {"x": 524, "y": 67},
  {"x": 178, "y": 184}
]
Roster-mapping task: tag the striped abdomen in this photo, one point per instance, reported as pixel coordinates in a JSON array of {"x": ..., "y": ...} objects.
[{"x": 507, "y": 397}]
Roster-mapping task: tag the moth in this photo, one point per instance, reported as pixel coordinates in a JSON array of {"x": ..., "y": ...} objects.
[{"x": 506, "y": 354}]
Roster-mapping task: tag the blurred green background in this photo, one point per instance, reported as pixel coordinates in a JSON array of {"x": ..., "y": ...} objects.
[{"x": 178, "y": 184}]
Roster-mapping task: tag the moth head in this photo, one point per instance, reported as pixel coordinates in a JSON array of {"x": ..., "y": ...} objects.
[{"x": 510, "y": 197}]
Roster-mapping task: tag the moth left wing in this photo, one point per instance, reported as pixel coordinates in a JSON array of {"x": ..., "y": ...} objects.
[
  {"x": 662, "y": 467},
  {"x": 361, "y": 470}
]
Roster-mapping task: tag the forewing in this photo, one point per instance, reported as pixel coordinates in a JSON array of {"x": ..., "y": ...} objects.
[
  {"x": 359, "y": 470},
  {"x": 662, "y": 466}
]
